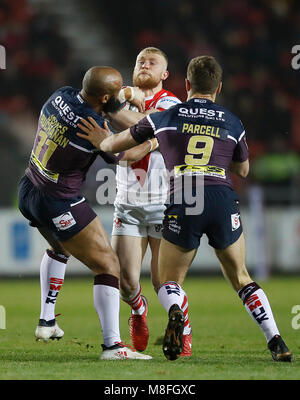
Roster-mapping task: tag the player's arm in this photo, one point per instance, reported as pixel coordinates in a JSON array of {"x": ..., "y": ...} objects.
[
  {"x": 123, "y": 119},
  {"x": 131, "y": 155},
  {"x": 240, "y": 168},
  {"x": 115, "y": 143},
  {"x": 240, "y": 158},
  {"x": 118, "y": 142},
  {"x": 95, "y": 134},
  {"x": 140, "y": 151}
]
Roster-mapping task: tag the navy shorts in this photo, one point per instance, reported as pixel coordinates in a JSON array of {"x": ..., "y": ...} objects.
[
  {"x": 220, "y": 220},
  {"x": 63, "y": 217}
]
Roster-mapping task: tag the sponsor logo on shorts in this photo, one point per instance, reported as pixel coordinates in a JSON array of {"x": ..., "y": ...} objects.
[
  {"x": 235, "y": 221},
  {"x": 117, "y": 223},
  {"x": 64, "y": 221},
  {"x": 173, "y": 223},
  {"x": 158, "y": 227}
]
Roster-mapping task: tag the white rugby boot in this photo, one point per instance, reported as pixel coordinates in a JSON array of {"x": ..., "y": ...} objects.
[
  {"x": 48, "y": 330},
  {"x": 120, "y": 351}
]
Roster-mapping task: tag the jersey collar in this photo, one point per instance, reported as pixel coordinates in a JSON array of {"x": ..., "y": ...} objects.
[
  {"x": 80, "y": 98},
  {"x": 154, "y": 95},
  {"x": 200, "y": 100}
]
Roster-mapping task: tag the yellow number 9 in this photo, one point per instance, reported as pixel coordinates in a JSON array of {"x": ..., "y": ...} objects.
[{"x": 193, "y": 150}]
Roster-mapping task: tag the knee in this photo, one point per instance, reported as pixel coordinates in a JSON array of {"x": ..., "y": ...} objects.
[
  {"x": 156, "y": 284},
  {"x": 241, "y": 281},
  {"x": 128, "y": 284},
  {"x": 111, "y": 262},
  {"x": 106, "y": 263}
]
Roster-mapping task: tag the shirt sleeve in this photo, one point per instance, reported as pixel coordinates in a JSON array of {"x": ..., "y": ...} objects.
[
  {"x": 110, "y": 158},
  {"x": 167, "y": 102},
  {"x": 241, "y": 152},
  {"x": 143, "y": 130}
]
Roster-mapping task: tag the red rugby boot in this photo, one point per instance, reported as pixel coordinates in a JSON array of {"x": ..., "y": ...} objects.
[
  {"x": 186, "y": 346},
  {"x": 139, "y": 332}
]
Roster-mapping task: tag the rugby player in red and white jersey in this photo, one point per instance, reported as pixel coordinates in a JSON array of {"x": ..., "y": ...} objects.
[{"x": 141, "y": 194}]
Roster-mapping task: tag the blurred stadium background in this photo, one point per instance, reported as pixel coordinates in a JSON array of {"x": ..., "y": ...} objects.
[{"x": 50, "y": 43}]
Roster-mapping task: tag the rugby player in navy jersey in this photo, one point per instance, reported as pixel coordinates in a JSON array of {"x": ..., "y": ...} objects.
[
  {"x": 49, "y": 197},
  {"x": 202, "y": 141}
]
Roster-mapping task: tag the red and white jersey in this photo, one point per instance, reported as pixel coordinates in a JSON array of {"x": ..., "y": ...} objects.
[
  {"x": 144, "y": 181},
  {"x": 162, "y": 100}
]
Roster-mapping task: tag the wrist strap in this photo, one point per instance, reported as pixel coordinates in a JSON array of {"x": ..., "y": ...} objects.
[
  {"x": 151, "y": 144},
  {"x": 132, "y": 93},
  {"x": 121, "y": 96}
]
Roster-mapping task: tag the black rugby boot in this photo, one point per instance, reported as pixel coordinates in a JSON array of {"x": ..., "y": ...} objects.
[
  {"x": 172, "y": 343},
  {"x": 279, "y": 349}
]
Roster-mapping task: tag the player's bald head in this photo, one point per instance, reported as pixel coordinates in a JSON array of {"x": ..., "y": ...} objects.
[{"x": 99, "y": 81}]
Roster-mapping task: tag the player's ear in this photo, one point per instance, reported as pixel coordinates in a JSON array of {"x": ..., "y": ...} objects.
[
  {"x": 104, "y": 99},
  {"x": 219, "y": 88},
  {"x": 187, "y": 85},
  {"x": 165, "y": 75}
]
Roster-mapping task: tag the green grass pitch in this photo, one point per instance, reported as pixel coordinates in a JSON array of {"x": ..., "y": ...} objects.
[{"x": 227, "y": 344}]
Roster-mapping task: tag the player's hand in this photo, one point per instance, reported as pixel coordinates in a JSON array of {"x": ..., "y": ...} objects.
[
  {"x": 138, "y": 99},
  {"x": 93, "y": 132}
]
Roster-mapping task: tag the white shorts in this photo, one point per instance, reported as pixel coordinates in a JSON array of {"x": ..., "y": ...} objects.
[{"x": 138, "y": 220}]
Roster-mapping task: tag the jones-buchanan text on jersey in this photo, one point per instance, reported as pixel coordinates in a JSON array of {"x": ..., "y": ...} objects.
[{"x": 198, "y": 137}]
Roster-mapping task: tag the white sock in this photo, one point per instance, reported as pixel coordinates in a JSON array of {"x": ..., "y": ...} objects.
[
  {"x": 107, "y": 305},
  {"x": 52, "y": 273},
  {"x": 135, "y": 301},
  {"x": 258, "y": 307},
  {"x": 172, "y": 293}
]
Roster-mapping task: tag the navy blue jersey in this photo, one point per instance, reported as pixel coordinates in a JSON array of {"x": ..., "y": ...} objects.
[
  {"x": 198, "y": 137},
  {"x": 60, "y": 159}
]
